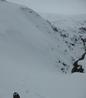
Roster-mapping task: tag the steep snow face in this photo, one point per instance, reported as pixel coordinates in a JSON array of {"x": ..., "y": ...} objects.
[
  {"x": 24, "y": 36},
  {"x": 27, "y": 36}
]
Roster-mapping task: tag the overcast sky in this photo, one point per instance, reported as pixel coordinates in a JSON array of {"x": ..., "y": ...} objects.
[{"x": 56, "y": 6}]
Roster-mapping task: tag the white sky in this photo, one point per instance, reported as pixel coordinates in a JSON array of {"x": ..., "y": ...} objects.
[{"x": 56, "y": 6}]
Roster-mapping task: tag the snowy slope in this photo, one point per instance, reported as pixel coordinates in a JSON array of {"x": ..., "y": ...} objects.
[
  {"x": 28, "y": 55},
  {"x": 36, "y": 36}
]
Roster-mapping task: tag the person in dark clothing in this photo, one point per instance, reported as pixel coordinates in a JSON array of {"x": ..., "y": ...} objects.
[{"x": 16, "y": 95}]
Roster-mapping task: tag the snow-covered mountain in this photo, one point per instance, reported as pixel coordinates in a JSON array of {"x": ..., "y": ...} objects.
[
  {"x": 32, "y": 36},
  {"x": 31, "y": 56}
]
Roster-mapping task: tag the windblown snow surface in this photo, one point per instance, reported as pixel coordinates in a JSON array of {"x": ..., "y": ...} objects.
[{"x": 29, "y": 54}]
